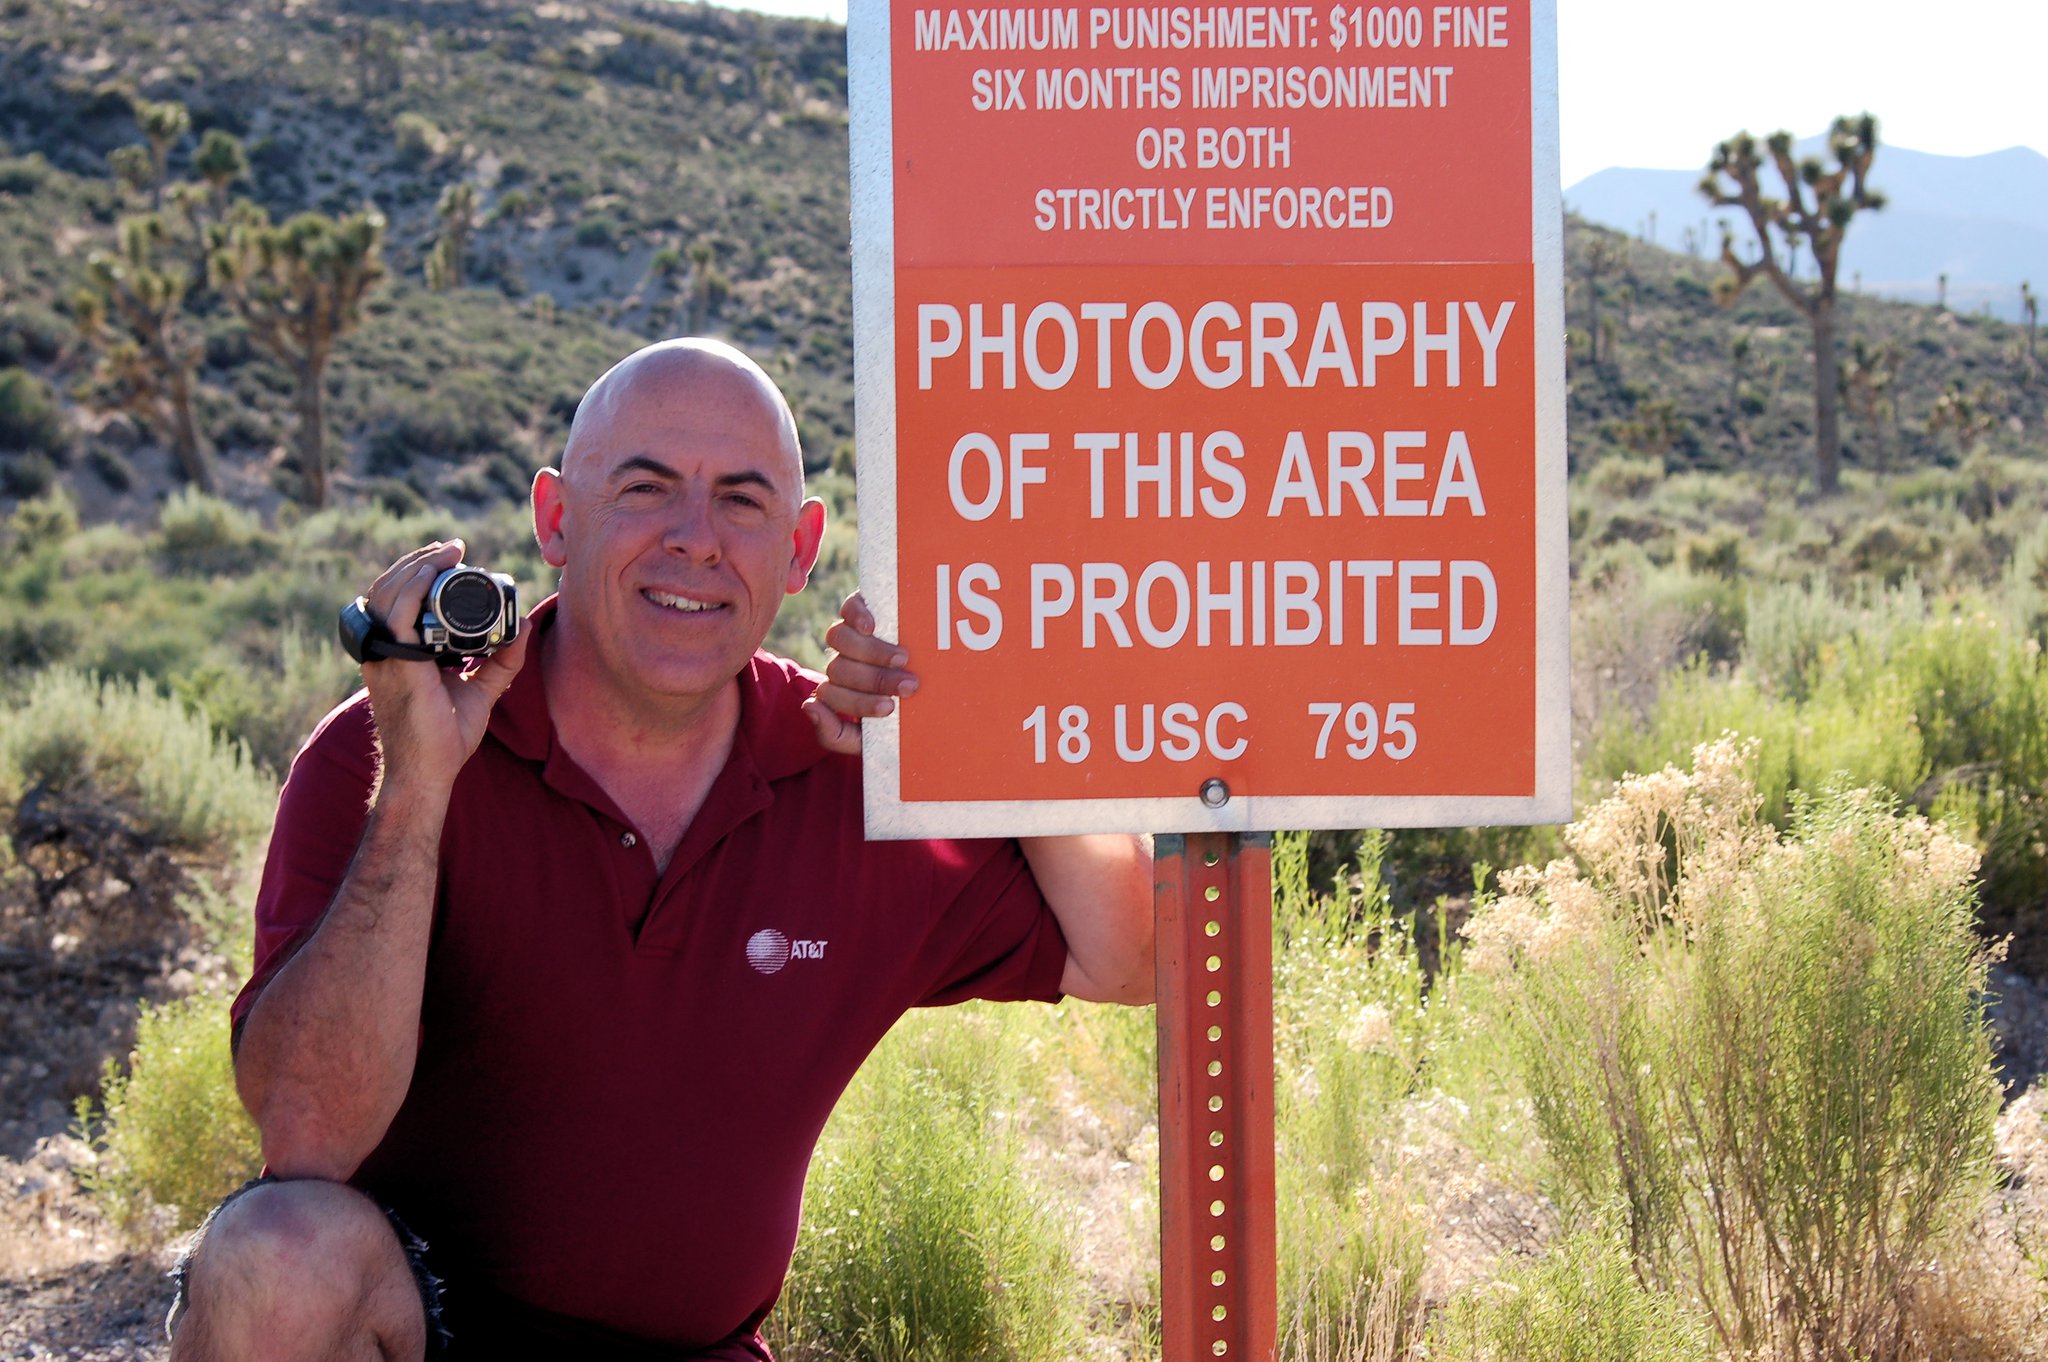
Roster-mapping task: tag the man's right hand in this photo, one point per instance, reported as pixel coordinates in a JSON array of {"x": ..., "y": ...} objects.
[
  {"x": 429, "y": 718},
  {"x": 328, "y": 1047}
]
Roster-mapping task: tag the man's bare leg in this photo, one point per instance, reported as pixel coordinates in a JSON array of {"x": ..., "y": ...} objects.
[{"x": 304, "y": 1271}]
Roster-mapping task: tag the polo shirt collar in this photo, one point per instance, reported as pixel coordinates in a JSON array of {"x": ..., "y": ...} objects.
[{"x": 772, "y": 734}]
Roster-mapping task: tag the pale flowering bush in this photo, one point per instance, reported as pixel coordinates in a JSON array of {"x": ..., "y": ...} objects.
[
  {"x": 1941, "y": 700},
  {"x": 1762, "y": 1057}
]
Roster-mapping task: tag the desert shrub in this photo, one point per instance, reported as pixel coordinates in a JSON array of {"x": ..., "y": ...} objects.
[
  {"x": 396, "y": 496},
  {"x": 1795, "y": 630},
  {"x": 32, "y": 640},
  {"x": 203, "y": 536},
  {"x": 1868, "y": 732},
  {"x": 1625, "y": 478},
  {"x": 1889, "y": 551},
  {"x": 33, "y": 331},
  {"x": 596, "y": 231},
  {"x": 1719, "y": 555},
  {"x": 1761, "y": 1060},
  {"x": 416, "y": 139},
  {"x": 121, "y": 742},
  {"x": 444, "y": 425},
  {"x": 23, "y": 175},
  {"x": 42, "y": 523},
  {"x": 170, "y": 1133},
  {"x": 923, "y": 1235},
  {"x": 26, "y": 475},
  {"x": 1351, "y": 1034},
  {"x": 1581, "y": 1302},
  {"x": 1942, "y": 702},
  {"x": 111, "y": 466},
  {"x": 270, "y": 705},
  {"x": 29, "y": 421}
]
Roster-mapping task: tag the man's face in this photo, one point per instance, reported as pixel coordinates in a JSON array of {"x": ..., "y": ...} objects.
[{"x": 678, "y": 521}]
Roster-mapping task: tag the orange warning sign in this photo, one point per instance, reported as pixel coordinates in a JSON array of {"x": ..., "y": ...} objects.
[{"x": 1210, "y": 424}]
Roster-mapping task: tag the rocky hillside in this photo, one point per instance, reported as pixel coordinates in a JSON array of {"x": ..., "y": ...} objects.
[
  {"x": 643, "y": 169},
  {"x": 636, "y": 171}
]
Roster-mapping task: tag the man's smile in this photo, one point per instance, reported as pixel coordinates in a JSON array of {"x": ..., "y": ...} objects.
[{"x": 683, "y": 604}]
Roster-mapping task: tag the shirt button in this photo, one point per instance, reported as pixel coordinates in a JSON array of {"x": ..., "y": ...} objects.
[{"x": 627, "y": 839}]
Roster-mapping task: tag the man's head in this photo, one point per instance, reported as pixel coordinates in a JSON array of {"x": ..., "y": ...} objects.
[{"x": 678, "y": 518}]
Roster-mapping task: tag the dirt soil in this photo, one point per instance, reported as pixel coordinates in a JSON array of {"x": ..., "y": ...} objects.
[{"x": 90, "y": 925}]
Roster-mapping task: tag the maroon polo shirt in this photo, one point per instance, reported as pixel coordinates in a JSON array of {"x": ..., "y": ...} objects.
[{"x": 621, "y": 1075}]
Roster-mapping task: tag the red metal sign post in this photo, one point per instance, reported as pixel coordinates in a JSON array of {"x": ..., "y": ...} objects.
[{"x": 1217, "y": 1248}]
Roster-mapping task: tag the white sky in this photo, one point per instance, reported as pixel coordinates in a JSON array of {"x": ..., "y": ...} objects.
[{"x": 1651, "y": 83}]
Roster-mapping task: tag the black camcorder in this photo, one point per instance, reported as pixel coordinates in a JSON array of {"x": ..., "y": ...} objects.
[{"x": 468, "y": 613}]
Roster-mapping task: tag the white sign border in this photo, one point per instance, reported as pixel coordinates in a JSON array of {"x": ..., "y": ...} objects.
[{"x": 889, "y": 816}]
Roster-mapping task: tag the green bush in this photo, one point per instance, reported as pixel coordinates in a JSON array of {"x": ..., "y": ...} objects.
[
  {"x": 203, "y": 536},
  {"x": 23, "y": 175},
  {"x": 26, "y": 475},
  {"x": 1625, "y": 478},
  {"x": 1351, "y": 1034},
  {"x": 416, "y": 139},
  {"x": 29, "y": 420},
  {"x": 43, "y": 523},
  {"x": 445, "y": 425},
  {"x": 273, "y": 705},
  {"x": 924, "y": 1239},
  {"x": 33, "y": 331},
  {"x": 111, "y": 466},
  {"x": 1581, "y": 1302},
  {"x": 1942, "y": 702},
  {"x": 121, "y": 742},
  {"x": 1762, "y": 1060},
  {"x": 170, "y": 1133}
]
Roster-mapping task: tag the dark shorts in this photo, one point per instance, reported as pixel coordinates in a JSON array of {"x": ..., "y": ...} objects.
[{"x": 467, "y": 1325}]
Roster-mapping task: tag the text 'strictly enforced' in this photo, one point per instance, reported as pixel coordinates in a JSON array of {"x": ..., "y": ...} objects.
[{"x": 1211, "y": 414}]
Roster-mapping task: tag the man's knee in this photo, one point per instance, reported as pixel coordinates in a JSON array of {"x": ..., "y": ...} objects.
[{"x": 296, "y": 1269}]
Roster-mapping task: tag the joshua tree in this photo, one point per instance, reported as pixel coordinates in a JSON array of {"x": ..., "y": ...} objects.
[
  {"x": 378, "y": 50},
  {"x": 130, "y": 310},
  {"x": 300, "y": 286},
  {"x": 457, "y": 209},
  {"x": 1604, "y": 251},
  {"x": 220, "y": 162},
  {"x": 2030, "y": 308},
  {"x": 1969, "y": 415},
  {"x": 1870, "y": 379},
  {"x": 708, "y": 287},
  {"x": 1819, "y": 202},
  {"x": 162, "y": 125}
]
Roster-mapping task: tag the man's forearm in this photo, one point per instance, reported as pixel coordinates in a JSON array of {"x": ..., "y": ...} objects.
[
  {"x": 327, "y": 1052},
  {"x": 1100, "y": 889}
]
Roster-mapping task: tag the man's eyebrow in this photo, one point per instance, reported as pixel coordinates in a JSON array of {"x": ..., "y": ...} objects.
[{"x": 641, "y": 463}]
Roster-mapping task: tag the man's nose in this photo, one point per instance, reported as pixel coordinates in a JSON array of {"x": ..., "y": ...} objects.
[{"x": 693, "y": 530}]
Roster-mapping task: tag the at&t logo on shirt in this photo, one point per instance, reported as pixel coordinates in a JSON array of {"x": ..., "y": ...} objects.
[{"x": 769, "y": 950}]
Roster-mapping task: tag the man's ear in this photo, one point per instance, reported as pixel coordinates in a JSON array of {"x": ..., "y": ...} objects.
[
  {"x": 547, "y": 517},
  {"x": 809, "y": 536}
]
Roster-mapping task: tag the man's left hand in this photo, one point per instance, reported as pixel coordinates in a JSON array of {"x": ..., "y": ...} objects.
[{"x": 862, "y": 681}]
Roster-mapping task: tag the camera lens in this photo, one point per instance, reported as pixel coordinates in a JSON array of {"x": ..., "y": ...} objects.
[{"x": 470, "y": 603}]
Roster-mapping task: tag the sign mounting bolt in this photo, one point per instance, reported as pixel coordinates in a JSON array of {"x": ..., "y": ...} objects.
[{"x": 1214, "y": 793}]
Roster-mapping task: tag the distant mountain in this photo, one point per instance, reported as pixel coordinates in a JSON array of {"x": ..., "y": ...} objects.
[{"x": 1982, "y": 220}]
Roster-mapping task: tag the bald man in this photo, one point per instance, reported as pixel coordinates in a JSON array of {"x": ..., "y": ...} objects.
[{"x": 562, "y": 962}]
